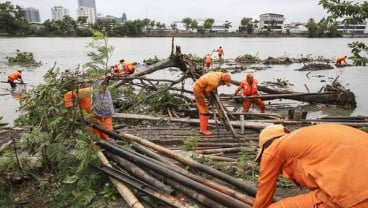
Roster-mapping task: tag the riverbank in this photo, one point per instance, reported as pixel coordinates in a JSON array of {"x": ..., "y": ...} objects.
[{"x": 185, "y": 34}]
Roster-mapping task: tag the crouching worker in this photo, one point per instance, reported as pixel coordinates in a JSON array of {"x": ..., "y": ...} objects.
[
  {"x": 202, "y": 89},
  {"x": 15, "y": 76},
  {"x": 328, "y": 159},
  {"x": 96, "y": 101}
]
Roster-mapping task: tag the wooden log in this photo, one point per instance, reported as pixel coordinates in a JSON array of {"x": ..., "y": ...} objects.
[
  {"x": 252, "y": 125},
  {"x": 211, "y": 193},
  {"x": 124, "y": 191},
  {"x": 192, "y": 194},
  {"x": 197, "y": 178},
  {"x": 140, "y": 173},
  {"x": 217, "y": 158},
  {"x": 223, "y": 115},
  {"x": 210, "y": 151},
  {"x": 145, "y": 188},
  {"x": 209, "y": 183},
  {"x": 243, "y": 185}
]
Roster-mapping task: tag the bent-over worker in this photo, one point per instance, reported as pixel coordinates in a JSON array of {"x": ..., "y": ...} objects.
[
  {"x": 328, "y": 159},
  {"x": 15, "y": 76},
  {"x": 202, "y": 89}
]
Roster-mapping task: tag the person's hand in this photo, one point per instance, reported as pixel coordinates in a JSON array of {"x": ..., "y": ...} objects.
[{"x": 211, "y": 100}]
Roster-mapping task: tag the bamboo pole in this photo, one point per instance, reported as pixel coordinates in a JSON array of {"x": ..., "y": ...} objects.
[
  {"x": 248, "y": 124},
  {"x": 124, "y": 191},
  {"x": 224, "y": 189},
  {"x": 140, "y": 173},
  {"x": 213, "y": 194},
  {"x": 243, "y": 185},
  {"x": 145, "y": 188}
]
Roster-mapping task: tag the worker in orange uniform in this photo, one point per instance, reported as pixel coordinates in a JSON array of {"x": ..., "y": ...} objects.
[
  {"x": 15, "y": 76},
  {"x": 202, "y": 89},
  {"x": 117, "y": 70},
  {"x": 96, "y": 100},
  {"x": 328, "y": 159},
  {"x": 249, "y": 87},
  {"x": 128, "y": 67},
  {"x": 208, "y": 60},
  {"x": 341, "y": 59},
  {"x": 220, "y": 53},
  {"x": 102, "y": 107}
]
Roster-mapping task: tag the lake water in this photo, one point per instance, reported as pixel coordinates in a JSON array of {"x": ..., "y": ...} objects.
[{"x": 69, "y": 52}]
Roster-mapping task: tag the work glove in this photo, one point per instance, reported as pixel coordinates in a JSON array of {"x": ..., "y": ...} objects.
[{"x": 211, "y": 100}]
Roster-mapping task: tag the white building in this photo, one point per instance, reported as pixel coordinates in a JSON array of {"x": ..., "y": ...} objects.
[
  {"x": 295, "y": 28},
  {"x": 274, "y": 22},
  {"x": 58, "y": 12},
  {"x": 353, "y": 29},
  {"x": 88, "y": 13}
]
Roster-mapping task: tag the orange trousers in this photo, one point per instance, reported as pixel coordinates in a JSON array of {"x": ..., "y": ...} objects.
[
  {"x": 310, "y": 200},
  {"x": 248, "y": 102},
  {"x": 201, "y": 104},
  {"x": 106, "y": 123}
]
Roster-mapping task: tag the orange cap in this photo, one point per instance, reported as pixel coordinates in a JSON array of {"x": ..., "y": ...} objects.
[
  {"x": 268, "y": 133},
  {"x": 249, "y": 74},
  {"x": 226, "y": 77}
]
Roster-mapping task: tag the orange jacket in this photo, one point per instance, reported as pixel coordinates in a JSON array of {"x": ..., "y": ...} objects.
[
  {"x": 14, "y": 76},
  {"x": 117, "y": 71},
  {"x": 208, "y": 60},
  {"x": 340, "y": 59},
  {"x": 248, "y": 89},
  {"x": 207, "y": 83},
  {"x": 327, "y": 157},
  {"x": 220, "y": 51},
  {"x": 84, "y": 96},
  {"x": 128, "y": 67}
]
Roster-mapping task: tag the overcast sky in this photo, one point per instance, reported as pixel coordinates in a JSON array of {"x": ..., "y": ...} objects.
[{"x": 167, "y": 11}]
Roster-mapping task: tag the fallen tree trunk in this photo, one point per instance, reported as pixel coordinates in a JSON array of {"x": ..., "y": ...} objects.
[
  {"x": 252, "y": 125},
  {"x": 334, "y": 94}
]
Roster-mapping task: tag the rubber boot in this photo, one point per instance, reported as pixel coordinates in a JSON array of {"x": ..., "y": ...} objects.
[{"x": 203, "y": 124}]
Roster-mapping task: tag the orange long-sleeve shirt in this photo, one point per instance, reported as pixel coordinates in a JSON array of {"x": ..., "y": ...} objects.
[
  {"x": 327, "y": 157},
  {"x": 207, "y": 83},
  {"x": 14, "y": 76},
  {"x": 84, "y": 95}
]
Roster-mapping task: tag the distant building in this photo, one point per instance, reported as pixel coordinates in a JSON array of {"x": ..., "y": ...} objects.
[
  {"x": 32, "y": 15},
  {"x": 353, "y": 28},
  {"x": 88, "y": 13},
  {"x": 58, "y": 12},
  {"x": 270, "y": 21},
  {"x": 124, "y": 18},
  {"x": 87, "y": 3},
  {"x": 295, "y": 28}
]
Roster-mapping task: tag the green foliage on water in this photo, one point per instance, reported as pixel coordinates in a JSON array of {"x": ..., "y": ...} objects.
[
  {"x": 150, "y": 61},
  {"x": 23, "y": 59}
]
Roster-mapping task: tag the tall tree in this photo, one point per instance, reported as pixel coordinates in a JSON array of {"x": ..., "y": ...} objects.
[
  {"x": 12, "y": 19},
  {"x": 246, "y": 24},
  {"x": 187, "y": 22},
  {"x": 208, "y": 24}
]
